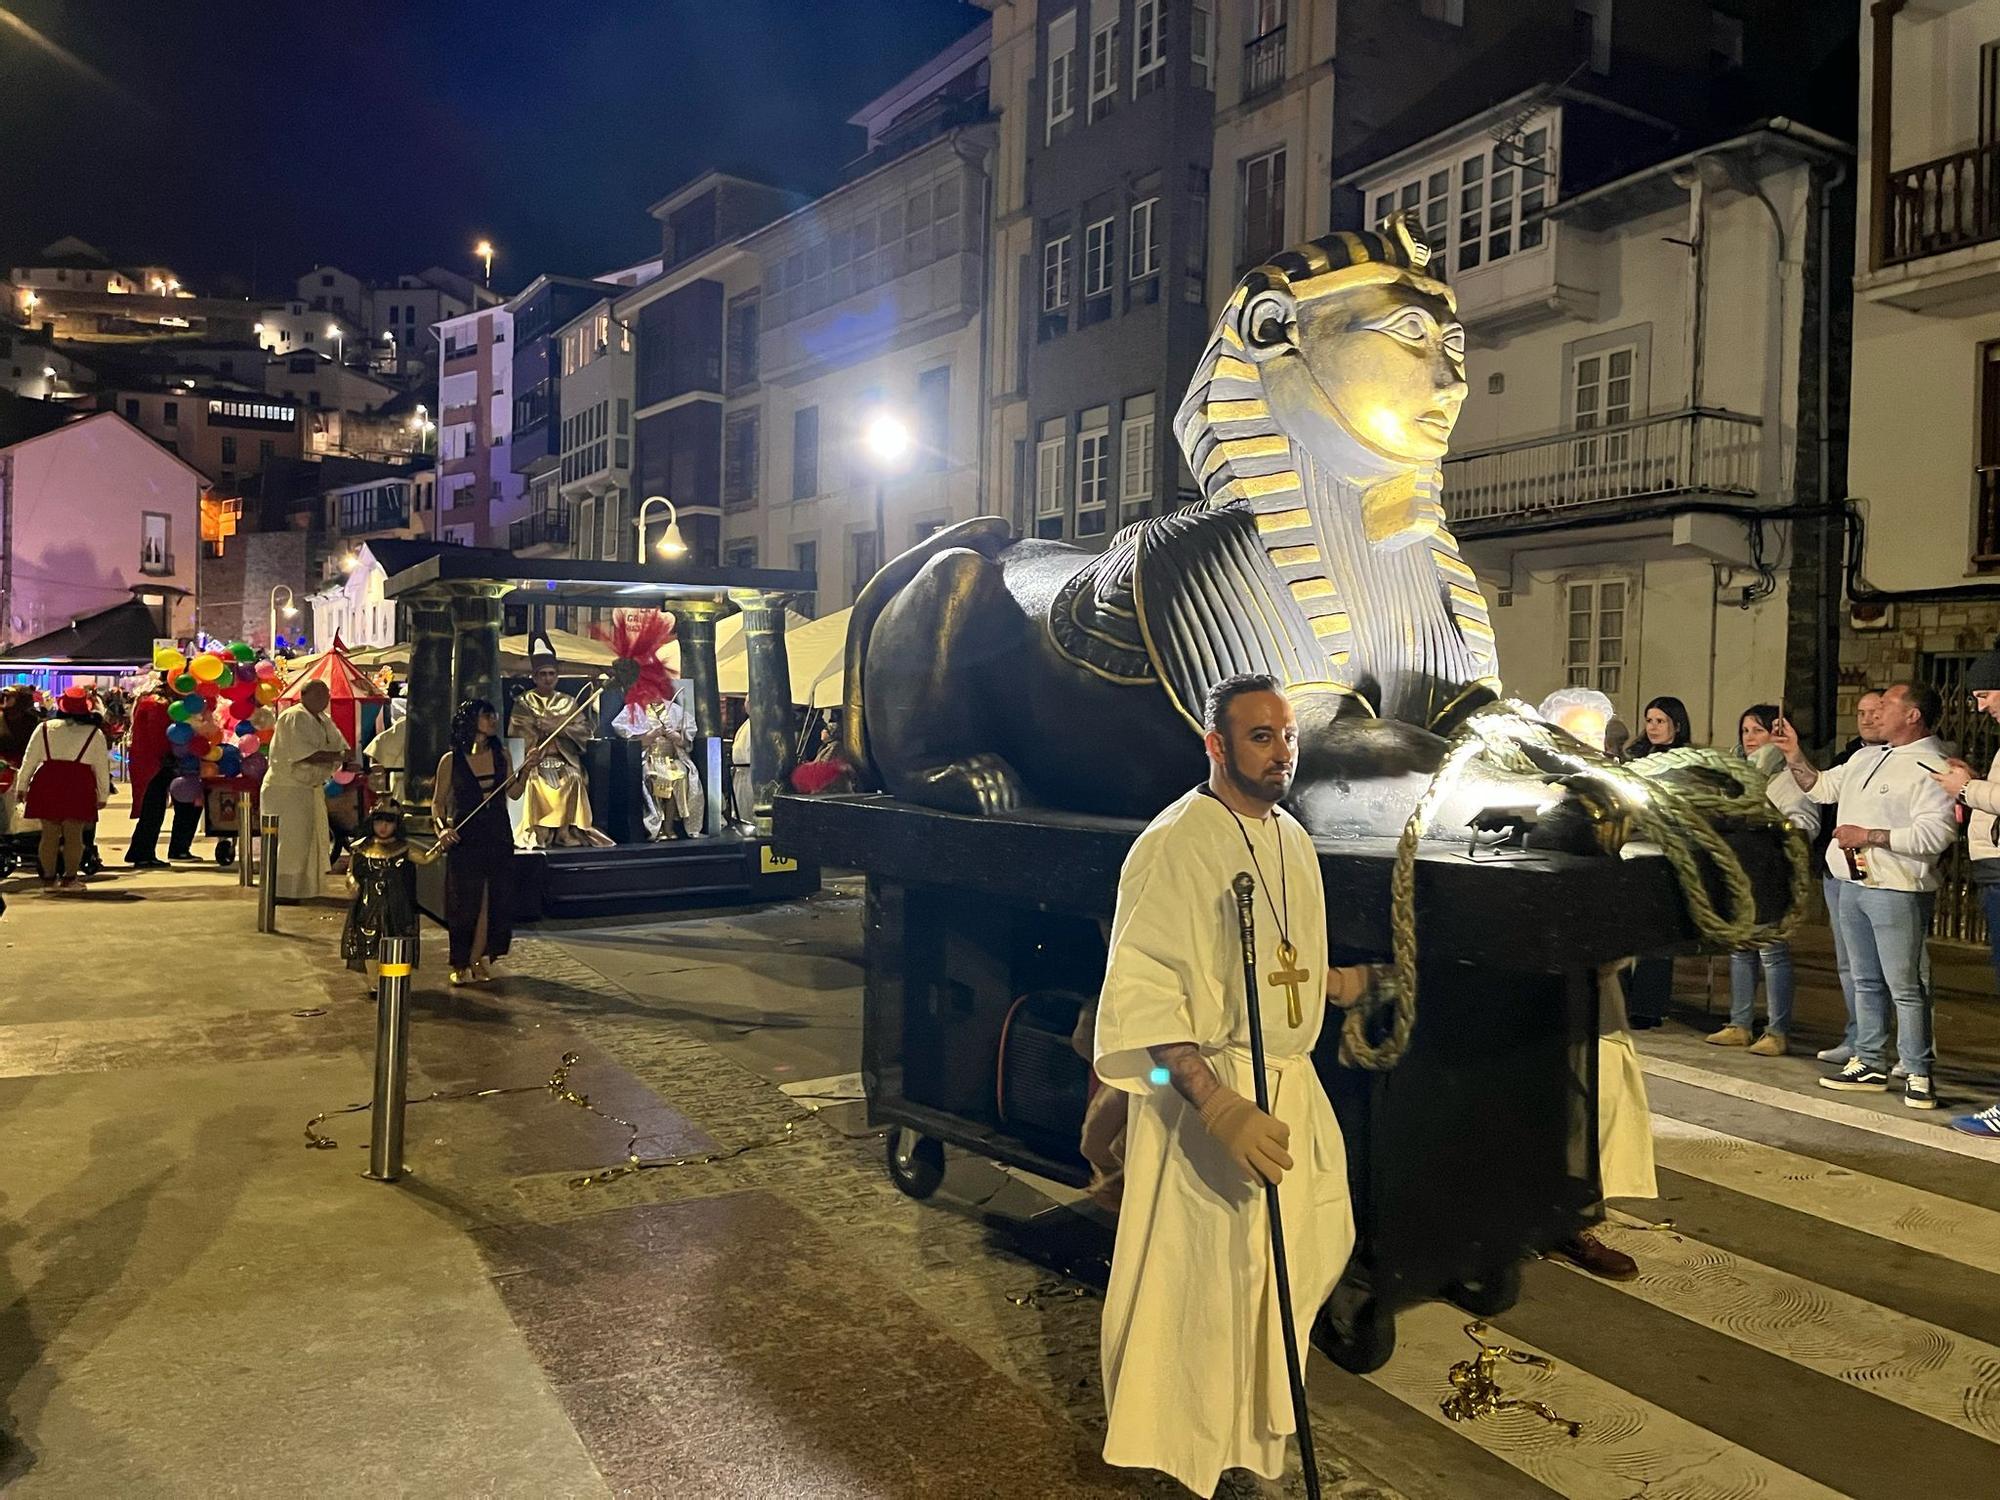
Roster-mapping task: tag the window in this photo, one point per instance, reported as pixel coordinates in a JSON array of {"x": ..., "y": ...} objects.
[
  {"x": 1050, "y": 454},
  {"x": 395, "y": 312},
  {"x": 1062, "y": 80},
  {"x": 1103, "y": 60},
  {"x": 1482, "y": 207},
  {"x": 266, "y": 450},
  {"x": 805, "y": 558},
  {"x": 170, "y": 413},
  {"x": 862, "y": 559},
  {"x": 1601, "y": 396},
  {"x": 1097, "y": 263},
  {"x": 624, "y": 414},
  {"x": 934, "y": 416},
  {"x": 228, "y": 450},
  {"x": 132, "y": 410},
  {"x": 1056, "y": 267},
  {"x": 1139, "y": 456},
  {"x": 1149, "y": 50},
  {"x": 1093, "y": 470},
  {"x": 1451, "y": 12},
  {"x": 1594, "y": 652},
  {"x": 1195, "y": 289},
  {"x": 742, "y": 342},
  {"x": 805, "y": 453},
  {"x": 1593, "y": 18},
  {"x": 1143, "y": 250},
  {"x": 739, "y": 554},
  {"x": 1263, "y": 207},
  {"x": 739, "y": 460},
  {"x": 1201, "y": 44},
  {"x": 410, "y": 314}
]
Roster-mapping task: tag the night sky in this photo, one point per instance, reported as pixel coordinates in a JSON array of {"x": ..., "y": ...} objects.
[{"x": 232, "y": 138}]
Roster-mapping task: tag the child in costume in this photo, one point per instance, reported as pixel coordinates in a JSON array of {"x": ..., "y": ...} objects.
[{"x": 382, "y": 874}]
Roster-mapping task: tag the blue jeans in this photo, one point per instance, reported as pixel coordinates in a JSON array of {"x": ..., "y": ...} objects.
[
  {"x": 1776, "y": 961},
  {"x": 1884, "y": 932},
  {"x": 1989, "y": 902},
  {"x": 1830, "y": 887}
]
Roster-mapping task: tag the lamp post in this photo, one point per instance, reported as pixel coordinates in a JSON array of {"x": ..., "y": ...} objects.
[
  {"x": 333, "y": 332},
  {"x": 671, "y": 543},
  {"x": 484, "y": 250},
  {"x": 291, "y": 609},
  {"x": 886, "y": 436}
]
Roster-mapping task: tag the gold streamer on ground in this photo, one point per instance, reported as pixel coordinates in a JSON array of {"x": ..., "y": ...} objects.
[
  {"x": 1476, "y": 1393},
  {"x": 1049, "y": 1291},
  {"x": 558, "y": 1088}
]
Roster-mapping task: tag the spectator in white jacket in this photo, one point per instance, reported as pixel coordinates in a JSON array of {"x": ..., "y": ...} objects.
[
  {"x": 1892, "y": 826},
  {"x": 1981, "y": 796},
  {"x": 67, "y": 774}
]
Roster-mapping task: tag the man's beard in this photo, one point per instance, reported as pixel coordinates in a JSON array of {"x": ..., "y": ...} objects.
[{"x": 1255, "y": 787}]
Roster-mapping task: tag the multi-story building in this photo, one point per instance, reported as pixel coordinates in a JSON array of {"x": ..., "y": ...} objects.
[
  {"x": 1924, "y": 442},
  {"x": 297, "y": 327},
  {"x": 74, "y": 265},
  {"x": 1272, "y": 174},
  {"x": 93, "y": 515},
  {"x": 226, "y": 431},
  {"x": 695, "y": 341},
  {"x": 1119, "y": 152},
  {"x": 34, "y": 366},
  {"x": 540, "y": 312},
  {"x": 1642, "y": 274},
  {"x": 479, "y": 494},
  {"x": 594, "y": 473},
  {"x": 872, "y": 308}
]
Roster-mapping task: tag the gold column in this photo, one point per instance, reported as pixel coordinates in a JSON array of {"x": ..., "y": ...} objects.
[{"x": 772, "y": 751}]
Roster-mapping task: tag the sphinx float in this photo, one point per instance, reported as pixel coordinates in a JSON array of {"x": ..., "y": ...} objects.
[{"x": 1018, "y": 705}]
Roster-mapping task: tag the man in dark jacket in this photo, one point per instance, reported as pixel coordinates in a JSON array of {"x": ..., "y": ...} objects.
[{"x": 152, "y": 772}]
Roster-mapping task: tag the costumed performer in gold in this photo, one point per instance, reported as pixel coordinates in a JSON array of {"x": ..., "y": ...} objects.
[
  {"x": 557, "y": 804},
  {"x": 1193, "y": 1354}
]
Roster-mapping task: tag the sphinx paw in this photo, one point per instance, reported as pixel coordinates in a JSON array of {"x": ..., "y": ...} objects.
[{"x": 980, "y": 784}]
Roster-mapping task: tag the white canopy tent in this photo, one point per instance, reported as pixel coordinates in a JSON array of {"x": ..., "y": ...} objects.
[{"x": 816, "y": 652}]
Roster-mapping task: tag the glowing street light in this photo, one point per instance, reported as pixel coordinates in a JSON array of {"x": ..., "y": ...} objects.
[
  {"x": 348, "y": 561},
  {"x": 333, "y": 332},
  {"x": 290, "y": 610},
  {"x": 484, "y": 250},
  {"x": 671, "y": 543},
  {"x": 888, "y": 440},
  {"x": 29, "y": 299}
]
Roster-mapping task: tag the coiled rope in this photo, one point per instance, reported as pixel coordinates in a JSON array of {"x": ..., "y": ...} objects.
[{"x": 1679, "y": 817}]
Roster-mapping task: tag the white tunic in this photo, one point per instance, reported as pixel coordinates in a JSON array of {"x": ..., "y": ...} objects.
[
  {"x": 1193, "y": 1353},
  {"x": 296, "y": 793},
  {"x": 1624, "y": 1117}
]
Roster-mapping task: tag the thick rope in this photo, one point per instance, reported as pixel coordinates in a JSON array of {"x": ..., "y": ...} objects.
[{"x": 1509, "y": 738}]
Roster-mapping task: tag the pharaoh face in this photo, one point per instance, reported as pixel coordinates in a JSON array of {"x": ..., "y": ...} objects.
[{"x": 1383, "y": 364}]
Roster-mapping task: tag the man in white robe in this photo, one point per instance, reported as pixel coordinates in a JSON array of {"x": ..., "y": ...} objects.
[
  {"x": 306, "y": 748},
  {"x": 1193, "y": 1352}
]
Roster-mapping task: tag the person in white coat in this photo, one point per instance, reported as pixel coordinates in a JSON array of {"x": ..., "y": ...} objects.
[
  {"x": 1981, "y": 797},
  {"x": 306, "y": 748},
  {"x": 1192, "y": 1349}
]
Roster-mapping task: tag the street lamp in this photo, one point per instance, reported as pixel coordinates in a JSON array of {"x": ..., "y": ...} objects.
[
  {"x": 671, "y": 544},
  {"x": 484, "y": 250},
  {"x": 887, "y": 438},
  {"x": 290, "y": 610},
  {"x": 333, "y": 332}
]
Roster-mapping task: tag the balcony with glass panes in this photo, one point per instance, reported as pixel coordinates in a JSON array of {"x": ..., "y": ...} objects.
[{"x": 1483, "y": 208}]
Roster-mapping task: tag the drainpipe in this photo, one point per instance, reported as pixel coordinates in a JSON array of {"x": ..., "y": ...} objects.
[
  {"x": 1827, "y": 599},
  {"x": 1693, "y": 179}
]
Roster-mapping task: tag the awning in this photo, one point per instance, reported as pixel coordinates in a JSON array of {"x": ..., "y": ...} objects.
[
  {"x": 118, "y": 638},
  {"x": 816, "y": 653}
]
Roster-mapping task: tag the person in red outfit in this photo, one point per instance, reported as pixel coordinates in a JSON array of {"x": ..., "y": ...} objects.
[{"x": 152, "y": 767}]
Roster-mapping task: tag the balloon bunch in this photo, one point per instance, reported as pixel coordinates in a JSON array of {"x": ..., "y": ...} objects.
[{"x": 222, "y": 711}]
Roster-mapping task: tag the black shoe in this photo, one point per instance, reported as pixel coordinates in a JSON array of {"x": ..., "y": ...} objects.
[
  {"x": 148, "y": 864},
  {"x": 189, "y": 858},
  {"x": 1642, "y": 1023},
  {"x": 1857, "y": 1078}
]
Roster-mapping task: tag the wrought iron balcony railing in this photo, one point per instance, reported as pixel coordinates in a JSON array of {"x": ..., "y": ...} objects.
[
  {"x": 1942, "y": 205},
  {"x": 545, "y": 528},
  {"x": 1684, "y": 452},
  {"x": 1264, "y": 63}
]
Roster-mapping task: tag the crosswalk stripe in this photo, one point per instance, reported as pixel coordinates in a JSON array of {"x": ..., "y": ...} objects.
[
  {"x": 1628, "y": 1445},
  {"x": 1946, "y": 1376},
  {"x": 1925, "y": 1221},
  {"x": 1935, "y": 1135}
]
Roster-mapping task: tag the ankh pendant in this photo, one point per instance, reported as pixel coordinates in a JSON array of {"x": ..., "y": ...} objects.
[{"x": 1289, "y": 977}]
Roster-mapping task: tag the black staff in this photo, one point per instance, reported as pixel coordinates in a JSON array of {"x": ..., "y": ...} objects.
[{"x": 1246, "y": 922}]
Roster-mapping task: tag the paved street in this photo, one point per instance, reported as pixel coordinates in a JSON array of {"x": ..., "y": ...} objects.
[{"x": 194, "y": 1303}]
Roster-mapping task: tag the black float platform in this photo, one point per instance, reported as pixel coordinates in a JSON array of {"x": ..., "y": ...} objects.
[{"x": 727, "y": 869}]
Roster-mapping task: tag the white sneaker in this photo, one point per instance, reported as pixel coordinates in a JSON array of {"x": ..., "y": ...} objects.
[
  {"x": 1918, "y": 1094},
  {"x": 1899, "y": 1071},
  {"x": 1838, "y": 1056}
]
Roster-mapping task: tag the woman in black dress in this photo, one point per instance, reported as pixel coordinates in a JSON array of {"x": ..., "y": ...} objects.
[
  {"x": 478, "y": 883},
  {"x": 1650, "y": 985}
]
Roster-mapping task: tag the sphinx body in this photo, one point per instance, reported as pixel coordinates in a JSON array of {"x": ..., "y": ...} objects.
[{"x": 986, "y": 672}]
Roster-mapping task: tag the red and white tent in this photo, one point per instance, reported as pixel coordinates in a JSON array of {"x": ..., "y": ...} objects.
[{"x": 349, "y": 685}]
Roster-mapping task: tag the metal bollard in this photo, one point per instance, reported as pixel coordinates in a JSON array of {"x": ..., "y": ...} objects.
[
  {"x": 392, "y": 1060},
  {"x": 245, "y": 864},
  {"x": 267, "y": 896}
]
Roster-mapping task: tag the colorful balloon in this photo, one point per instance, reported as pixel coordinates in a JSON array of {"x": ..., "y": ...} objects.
[
  {"x": 168, "y": 660},
  {"x": 249, "y": 744},
  {"x": 206, "y": 668},
  {"x": 256, "y": 765},
  {"x": 266, "y": 719},
  {"x": 180, "y": 713},
  {"x": 184, "y": 683},
  {"x": 243, "y": 651},
  {"x": 185, "y": 789},
  {"x": 179, "y": 733},
  {"x": 268, "y": 691},
  {"x": 225, "y": 679},
  {"x": 266, "y": 671},
  {"x": 208, "y": 692}
]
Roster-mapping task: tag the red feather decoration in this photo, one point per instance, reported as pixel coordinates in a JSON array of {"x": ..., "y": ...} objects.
[{"x": 639, "y": 636}]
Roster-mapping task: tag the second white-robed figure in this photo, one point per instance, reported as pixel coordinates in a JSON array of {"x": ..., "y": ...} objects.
[
  {"x": 1193, "y": 1352},
  {"x": 306, "y": 748}
]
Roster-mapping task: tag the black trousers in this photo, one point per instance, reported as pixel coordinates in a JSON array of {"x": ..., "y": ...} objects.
[{"x": 145, "y": 843}]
